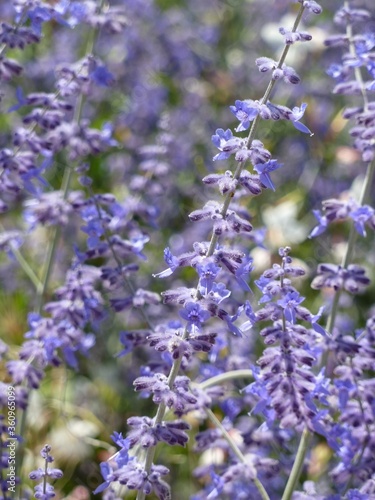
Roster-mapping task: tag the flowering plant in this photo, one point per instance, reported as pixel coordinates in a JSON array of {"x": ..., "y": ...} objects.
[{"x": 228, "y": 352}]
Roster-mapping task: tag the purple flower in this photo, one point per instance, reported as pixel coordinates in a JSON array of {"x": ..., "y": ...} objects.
[
  {"x": 265, "y": 64},
  {"x": 100, "y": 75},
  {"x": 242, "y": 271},
  {"x": 297, "y": 115},
  {"x": 40, "y": 14},
  {"x": 179, "y": 397},
  {"x": 312, "y": 6},
  {"x": 314, "y": 322},
  {"x": 245, "y": 112},
  {"x": 207, "y": 273},
  {"x": 322, "y": 224},
  {"x": 289, "y": 303},
  {"x": 279, "y": 112},
  {"x": 171, "y": 261},
  {"x": 145, "y": 433},
  {"x": 218, "y": 293},
  {"x": 23, "y": 371},
  {"x": 9, "y": 68},
  {"x": 291, "y": 37},
  {"x": 264, "y": 170},
  {"x": 195, "y": 315},
  {"x": 21, "y": 100},
  {"x": 360, "y": 216},
  {"x": 226, "y": 143}
]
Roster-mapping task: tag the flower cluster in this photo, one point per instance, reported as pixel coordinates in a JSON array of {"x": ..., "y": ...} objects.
[{"x": 291, "y": 387}]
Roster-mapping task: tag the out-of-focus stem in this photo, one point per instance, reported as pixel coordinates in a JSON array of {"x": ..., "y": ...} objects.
[
  {"x": 297, "y": 466},
  {"x": 25, "y": 266},
  {"x": 225, "y": 377},
  {"x": 233, "y": 446}
]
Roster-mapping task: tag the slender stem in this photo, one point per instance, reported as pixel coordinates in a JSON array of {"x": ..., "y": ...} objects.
[
  {"x": 347, "y": 258},
  {"x": 249, "y": 140},
  {"x": 236, "y": 451},
  {"x": 45, "y": 475},
  {"x": 297, "y": 466},
  {"x": 225, "y": 377},
  {"x": 27, "y": 268}
]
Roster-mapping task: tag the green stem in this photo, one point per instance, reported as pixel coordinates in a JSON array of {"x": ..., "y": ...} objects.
[
  {"x": 297, "y": 466},
  {"x": 27, "y": 269},
  {"x": 233, "y": 446},
  {"x": 225, "y": 377}
]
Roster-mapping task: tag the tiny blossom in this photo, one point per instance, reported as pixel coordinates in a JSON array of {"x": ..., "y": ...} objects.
[
  {"x": 147, "y": 434},
  {"x": 322, "y": 224},
  {"x": 289, "y": 303},
  {"x": 251, "y": 182},
  {"x": 10, "y": 240},
  {"x": 178, "y": 397},
  {"x": 217, "y": 294},
  {"x": 360, "y": 216},
  {"x": 49, "y": 209},
  {"x": 264, "y": 170},
  {"x": 291, "y": 37},
  {"x": 290, "y": 75},
  {"x": 194, "y": 315},
  {"x": 265, "y": 64},
  {"x": 172, "y": 261},
  {"x": 172, "y": 340},
  {"x": 226, "y": 143},
  {"x": 225, "y": 182},
  {"x": 245, "y": 112},
  {"x": 338, "y": 72},
  {"x": 22, "y": 370},
  {"x": 279, "y": 112},
  {"x": 100, "y": 75},
  {"x": 312, "y": 6},
  {"x": 17, "y": 36},
  {"x": 347, "y": 15},
  {"x": 207, "y": 273}
]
